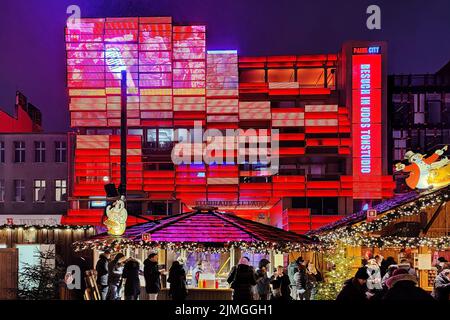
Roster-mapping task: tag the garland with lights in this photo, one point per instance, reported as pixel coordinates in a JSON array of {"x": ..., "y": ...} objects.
[
  {"x": 357, "y": 235},
  {"x": 43, "y": 227},
  {"x": 121, "y": 244}
]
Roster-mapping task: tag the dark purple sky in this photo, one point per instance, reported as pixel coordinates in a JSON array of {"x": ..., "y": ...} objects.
[{"x": 32, "y": 36}]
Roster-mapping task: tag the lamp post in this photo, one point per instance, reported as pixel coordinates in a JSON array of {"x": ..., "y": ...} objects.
[{"x": 123, "y": 135}]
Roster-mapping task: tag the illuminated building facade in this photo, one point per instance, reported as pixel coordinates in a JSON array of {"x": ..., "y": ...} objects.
[
  {"x": 420, "y": 108},
  {"x": 327, "y": 108}
]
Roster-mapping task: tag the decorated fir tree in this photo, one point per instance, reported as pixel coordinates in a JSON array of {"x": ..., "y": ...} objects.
[
  {"x": 41, "y": 281},
  {"x": 340, "y": 269}
]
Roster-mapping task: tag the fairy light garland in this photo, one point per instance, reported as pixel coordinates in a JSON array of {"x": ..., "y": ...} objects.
[
  {"x": 122, "y": 244},
  {"x": 358, "y": 235},
  {"x": 44, "y": 227}
]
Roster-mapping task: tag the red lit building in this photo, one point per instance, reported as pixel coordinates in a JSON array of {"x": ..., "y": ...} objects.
[
  {"x": 27, "y": 117},
  {"x": 329, "y": 110}
]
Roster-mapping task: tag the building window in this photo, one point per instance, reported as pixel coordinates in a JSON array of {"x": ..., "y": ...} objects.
[
  {"x": 39, "y": 151},
  {"x": 2, "y": 152},
  {"x": 419, "y": 108},
  {"x": 39, "y": 190},
  {"x": 19, "y": 190},
  {"x": 60, "y": 151},
  {"x": 281, "y": 75},
  {"x": 60, "y": 190},
  {"x": 252, "y": 75},
  {"x": 19, "y": 151},
  {"x": 2, "y": 190},
  {"x": 160, "y": 138},
  {"x": 311, "y": 77},
  {"x": 400, "y": 137}
]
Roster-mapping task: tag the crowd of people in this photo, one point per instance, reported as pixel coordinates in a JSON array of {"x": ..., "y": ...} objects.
[
  {"x": 111, "y": 274},
  {"x": 384, "y": 279},
  {"x": 377, "y": 279},
  {"x": 298, "y": 283}
]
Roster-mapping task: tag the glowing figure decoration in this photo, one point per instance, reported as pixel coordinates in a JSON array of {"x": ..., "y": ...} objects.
[
  {"x": 117, "y": 218},
  {"x": 426, "y": 172}
]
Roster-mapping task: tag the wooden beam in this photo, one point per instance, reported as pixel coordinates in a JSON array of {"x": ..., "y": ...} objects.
[{"x": 433, "y": 218}]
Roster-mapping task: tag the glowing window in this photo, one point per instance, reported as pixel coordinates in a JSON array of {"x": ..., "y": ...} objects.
[
  {"x": 311, "y": 77},
  {"x": 39, "y": 190},
  {"x": 252, "y": 75},
  {"x": 281, "y": 75}
]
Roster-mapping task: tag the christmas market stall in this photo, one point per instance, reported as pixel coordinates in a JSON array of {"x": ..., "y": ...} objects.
[
  {"x": 25, "y": 246},
  {"x": 207, "y": 239},
  {"x": 412, "y": 226}
]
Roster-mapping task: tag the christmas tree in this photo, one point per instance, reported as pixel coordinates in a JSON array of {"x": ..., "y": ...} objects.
[
  {"x": 41, "y": 282},
  {"x": 340, "y": 269}
]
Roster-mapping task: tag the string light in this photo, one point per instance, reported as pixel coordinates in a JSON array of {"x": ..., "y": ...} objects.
[{"x": 120, "y": 244}]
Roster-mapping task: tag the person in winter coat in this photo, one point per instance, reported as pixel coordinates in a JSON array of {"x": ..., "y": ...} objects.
[
  {"x": 131, "y": 273},
  {"x": 314, "y": 277},
  {"x": 262, "y": 280},
  {"x": 354, "y": 289},
  {"x": 405, "y": 264},
  {"x": 177, "y": 280},
  {"x": 302, "y": 283},
  {"x": 242, "y": 278},
  {"x": 281, "y": 285},
  {"x": 403, "y": 286},
  {"x": 152, "y": 276},
  {"x": 292, "y": 270},
  {"x": 374, "y": 280},
  {"x": 385, "y": 265},
  {"x": 102, "y": 273},
  {"x": 442, "y": 264},
  {"x": 115, "y": 270},
  {"x": 388, "y": 274},
  {"x": 441, "y": 290}
]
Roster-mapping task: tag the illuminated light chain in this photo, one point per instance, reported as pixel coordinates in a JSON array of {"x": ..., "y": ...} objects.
[
  {"x": 44, "y": 227},
  {"x": 121, "y": 244},
  {"x": 355, "y": 235}
]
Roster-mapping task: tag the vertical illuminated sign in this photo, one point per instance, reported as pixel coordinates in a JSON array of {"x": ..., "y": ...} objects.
[{"x": 366, "y": 123}]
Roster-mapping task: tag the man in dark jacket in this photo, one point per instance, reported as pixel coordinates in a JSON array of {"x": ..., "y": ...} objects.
[
  {"x": 441, "y": 289},
  {"x": 281, "y": 285},
  {"x": 354, "y": 289},
  {"x": 102, "y": 273},
  {"x": 403, "y": 287},
  {"x": 302, "y": 284},
  {"x": 152, "y": 276},
  {"x": 242, "y": 278},
  {"x": 262, "y": 280},
  {"x": 131, "y": 273}
]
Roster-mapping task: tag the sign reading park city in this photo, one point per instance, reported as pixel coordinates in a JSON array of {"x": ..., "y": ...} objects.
[{"x": 366, "y": 119}]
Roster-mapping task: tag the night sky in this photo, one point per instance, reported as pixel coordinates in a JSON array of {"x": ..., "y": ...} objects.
[{"x": 32, "y": 36}]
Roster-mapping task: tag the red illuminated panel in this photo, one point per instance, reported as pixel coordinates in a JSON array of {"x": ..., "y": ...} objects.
[{"x": 366, "y": 123}]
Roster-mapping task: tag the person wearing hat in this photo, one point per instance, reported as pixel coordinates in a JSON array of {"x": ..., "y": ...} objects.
[
  {"x": 355, "y": 288},
  {"x": 441, "y": 264},
  {"x": 102, "y": 273},
  {"x": 421, "y": 168},
  {"x": 441, "y": 290},
  {"x": 403, "y": 286}
]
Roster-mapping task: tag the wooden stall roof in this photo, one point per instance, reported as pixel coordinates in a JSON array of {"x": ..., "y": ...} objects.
[
  {"x": 208, "y": 227},
  {"x": 381, "y": 209}
]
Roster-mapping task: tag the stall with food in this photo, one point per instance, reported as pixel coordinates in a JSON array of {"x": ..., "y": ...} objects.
[{"x": 208, "y": 243}]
